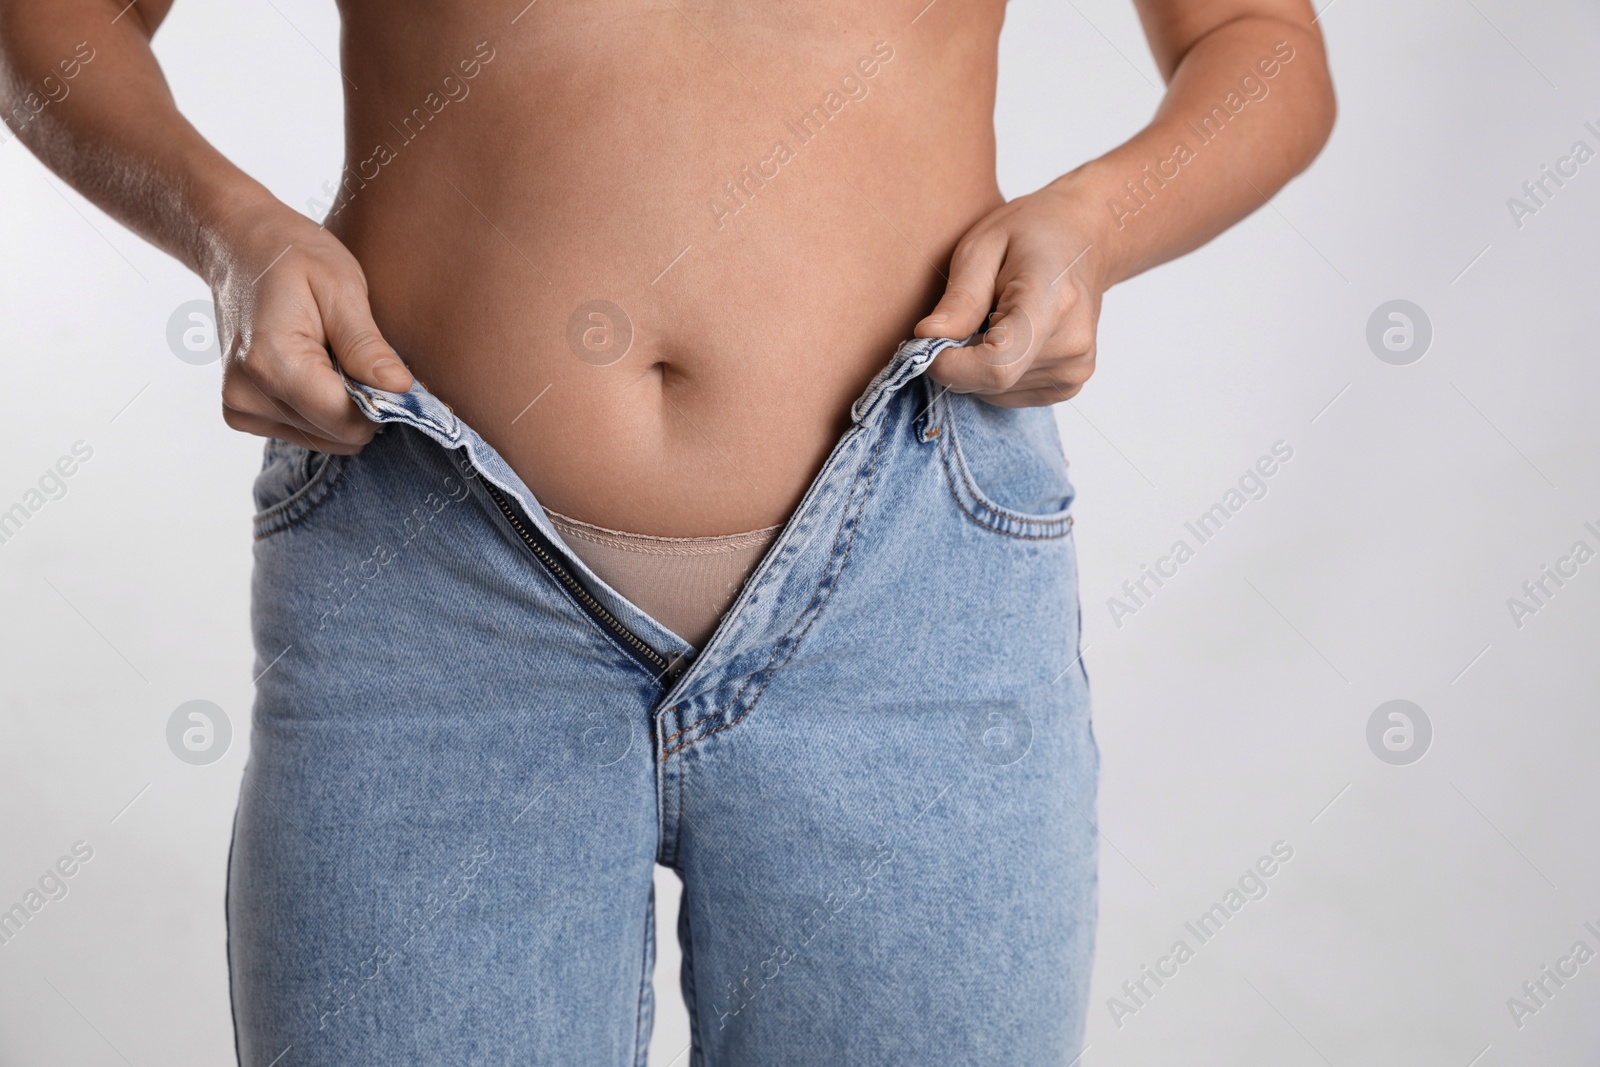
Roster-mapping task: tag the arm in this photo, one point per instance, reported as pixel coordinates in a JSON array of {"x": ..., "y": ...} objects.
[
  {"x": 1248, "y": 105},
  {"x": 80, "y": 86}
]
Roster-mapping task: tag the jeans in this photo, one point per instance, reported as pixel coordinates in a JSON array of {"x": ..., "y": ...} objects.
[{"x": 877, "y": 780}]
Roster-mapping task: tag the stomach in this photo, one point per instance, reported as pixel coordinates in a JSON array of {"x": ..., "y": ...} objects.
[{"x": 652, "y": 251}]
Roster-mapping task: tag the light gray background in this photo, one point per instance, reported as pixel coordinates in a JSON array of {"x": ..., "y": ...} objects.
[{"x": 1231, "y": 710}]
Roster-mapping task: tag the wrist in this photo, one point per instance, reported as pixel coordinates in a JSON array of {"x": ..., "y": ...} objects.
[
  {"x": 1082, "y": 197},
  {"x": 227, "y": 217}
]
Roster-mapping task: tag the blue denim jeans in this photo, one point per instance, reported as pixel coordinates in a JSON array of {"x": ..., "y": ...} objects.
[{"x": 877, "y": 780}]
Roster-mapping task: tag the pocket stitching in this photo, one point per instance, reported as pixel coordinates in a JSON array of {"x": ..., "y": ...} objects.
[
  {"x": 1050, "y": 528},
  {"x": 272, "y": 521}
]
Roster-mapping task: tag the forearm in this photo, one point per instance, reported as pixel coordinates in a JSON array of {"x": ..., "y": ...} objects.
[
  {"x": 81, "y": 87},
  {"x": 1248, "y": 106}
]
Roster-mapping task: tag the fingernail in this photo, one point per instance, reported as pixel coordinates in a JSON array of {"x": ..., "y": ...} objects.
[
  {"x": 389, "y": 373},
  {"x": 937, "y": 316}
]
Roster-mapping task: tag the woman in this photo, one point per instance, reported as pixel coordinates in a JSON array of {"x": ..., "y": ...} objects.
[{"x": 685, "y": 554}]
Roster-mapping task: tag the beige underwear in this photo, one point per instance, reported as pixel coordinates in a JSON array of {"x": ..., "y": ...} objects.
[{"x": 685, "y": 583}]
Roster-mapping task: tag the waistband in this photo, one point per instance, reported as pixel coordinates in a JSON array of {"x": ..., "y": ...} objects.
[
  {"x": 421, "y": 409},
  {"x": 426, "y": 413}
]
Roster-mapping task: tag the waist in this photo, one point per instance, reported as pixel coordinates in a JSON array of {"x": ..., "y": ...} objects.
[
  {"x": 699, "y": 428},
  {"x": 641, "y": 374}
]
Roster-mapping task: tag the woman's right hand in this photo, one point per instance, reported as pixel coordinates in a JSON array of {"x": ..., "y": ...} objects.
[{"x": 290, "y": 299}]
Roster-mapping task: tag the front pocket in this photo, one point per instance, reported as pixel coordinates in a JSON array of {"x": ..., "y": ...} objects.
[
  {"x": 293, "y": 481},
  {"x": 1004, "y": 465}
]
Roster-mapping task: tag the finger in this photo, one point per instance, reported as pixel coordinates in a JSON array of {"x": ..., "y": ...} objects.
[
  {"x": 265, "y": 427},
  {"x": 969, "y": 294},
  {"x": 1057, "y": 372},
  {"x": 1023, "y": 320},
  {"x": 1033, "y": 398},
  {"x": 1020, "y": 324},
  {"x": 357, "y": 344},
  {"x": 300, "y": 387}
]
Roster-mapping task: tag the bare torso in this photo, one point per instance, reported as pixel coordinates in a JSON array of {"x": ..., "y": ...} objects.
[{"x": 598, "y": 152}]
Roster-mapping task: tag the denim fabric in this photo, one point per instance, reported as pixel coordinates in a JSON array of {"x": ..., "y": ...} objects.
[{"x": 877, "y": 779}]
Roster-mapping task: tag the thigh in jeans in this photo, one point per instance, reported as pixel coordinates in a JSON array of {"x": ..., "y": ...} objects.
[
  {"x": 447, "y": 827},
  {"x": 888, "y": 846}
]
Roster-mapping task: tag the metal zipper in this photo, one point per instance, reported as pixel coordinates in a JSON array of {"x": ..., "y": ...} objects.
[{"x": 666, "y": 669}]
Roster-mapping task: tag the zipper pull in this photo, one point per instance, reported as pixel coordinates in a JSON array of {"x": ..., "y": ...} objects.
[{"x": 677, "y": 663}]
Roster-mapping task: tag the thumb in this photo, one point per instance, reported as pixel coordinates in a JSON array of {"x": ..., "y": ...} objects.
[
  {"x": 357, "y": 345},
  {"x": 998, "y": 362},
  {"x": 969, "y": 293}
]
